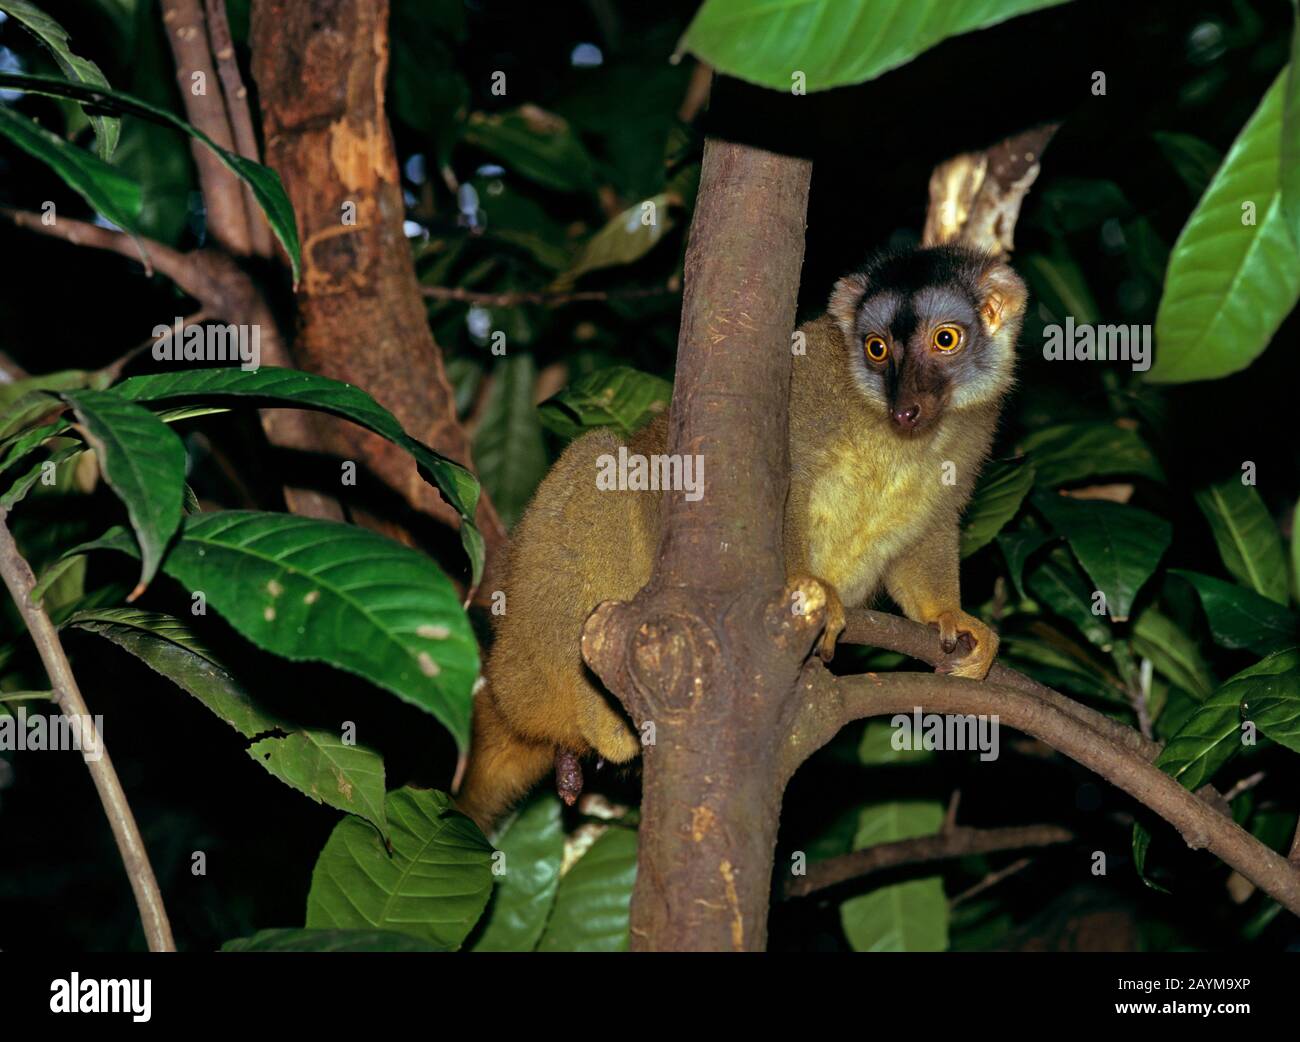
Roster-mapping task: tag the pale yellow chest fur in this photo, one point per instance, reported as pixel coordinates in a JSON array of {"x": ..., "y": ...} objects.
[{"x": 870, "y": 499}]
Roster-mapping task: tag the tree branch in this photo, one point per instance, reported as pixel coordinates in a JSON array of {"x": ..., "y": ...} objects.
[
  {"x": 223, "y": 193},
  {"x": 241, "y": 118},
  {"x": 224, "y": 290},
  {"x": 542, "y": 297},
  {"x": 943, "y": 846},
  {"x": 893, "y": 633},
  {"x": 827, "y": 703},
  {"x": 19, "y": 579}
]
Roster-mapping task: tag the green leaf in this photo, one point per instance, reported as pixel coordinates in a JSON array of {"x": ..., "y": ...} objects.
[
  {"x": 1071, "y": 204},
  {"x": 1001, "y": 489},
  {"x": 1212, "y": 736},
  {"x": 508, "y": 446},
  {"x": 1072, "y": 452},
  {"x": 1229, "y": 284},
  {"x": 322, "y": 766},
  {"x": 261, "y": 180},
  {"x": 1240, "y": 618},
  {"x": 834, "y": 42},
  {"x": 619, "y": 396},
  {"x": 61, "y": 380},
  {"x": 53, "y": 574},
  {"x": 168, "y": 647},
  {"x": 535, "y": 144},
  {"x": 291, "y": 388},
  {"x": 513, "y": 218},
  {"x": 73, "y": 66},
  {"x": 17, "y": 492},
  {"x": 592, "y": 902},
  {"x": 1248, "y": 539},
  {"x": 1290, "y": 165},
  {"x": 143, "y": 461},
  {"x": 1017, "y": 547},
  {"x": 1295, "y": 552},
  {"x": 626, "y": 238},
  {"x": 532, "y": 843},
  {"x": 1173, "y": 653},
  {"x": 1273, "y": 702},
  {"x": 876, "y": 748},
  {"x": 16, "y": 425},
  {"x": 433, "y": 885},
  {"x": 297, "y": 940},
  {"x": 900, "y": 917},
  {"x": 1057, "y": 583},
  {"x": 1058, "y": 282},
  {"x": 320, "y": 591},
  {"x": 1118, "y": 545},
  {"x": 1063, "y": 665},
  {"x": 106, "y": 190},
  {"x": 1141, "y": 845},
  {"x": 1193, "y": 160}
]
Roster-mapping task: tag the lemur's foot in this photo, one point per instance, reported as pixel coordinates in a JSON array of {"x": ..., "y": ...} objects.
[
  {"x": 568, "y": 776},
  {"x": 971, "y": 645},
  {"x": 834, "y": 624}
]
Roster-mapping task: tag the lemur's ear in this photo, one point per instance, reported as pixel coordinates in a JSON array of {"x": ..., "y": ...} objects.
[
  {"x": 1003, "y": 296},
  {"x": 845, "y": 298}
]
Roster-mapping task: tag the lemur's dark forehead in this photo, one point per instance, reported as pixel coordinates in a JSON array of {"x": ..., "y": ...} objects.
[{"x": 902, "y": 312}]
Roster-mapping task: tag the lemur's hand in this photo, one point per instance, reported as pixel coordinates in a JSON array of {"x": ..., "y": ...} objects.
[{"x": 825, "y": 646}]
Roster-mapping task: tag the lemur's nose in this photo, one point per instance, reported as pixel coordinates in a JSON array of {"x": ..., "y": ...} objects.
[{"x": 906, "y": 418}]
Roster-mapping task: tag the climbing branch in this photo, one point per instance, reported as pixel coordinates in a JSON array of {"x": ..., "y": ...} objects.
[
  {"x": 828, "y": 703},
  {"x": 19, "y": 579}
]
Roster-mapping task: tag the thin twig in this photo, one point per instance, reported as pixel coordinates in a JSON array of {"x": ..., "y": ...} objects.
[
  {"x": 1245, "y": 785},
  {"x": 542, "y": 297},
  {"x": 241, "y": 118},
  {"x": 943, "y": 846},
  {"x": 114, "y": 369},
  {"x": 991, "y": 880},
  {"x": 223, "y": 193},
  {"x": 950, "y": 818},
  {"x": 19, "y": 579}
]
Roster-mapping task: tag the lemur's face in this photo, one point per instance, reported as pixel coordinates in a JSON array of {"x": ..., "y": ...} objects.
[{"x": 929, "y": 331}]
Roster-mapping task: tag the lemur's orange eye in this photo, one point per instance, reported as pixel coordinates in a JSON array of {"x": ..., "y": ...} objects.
[
  {"x": 946, "y": 338},
  {"x": 876, "y": 348}
]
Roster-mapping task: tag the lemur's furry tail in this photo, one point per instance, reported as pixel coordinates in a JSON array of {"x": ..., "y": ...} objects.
[{"x": 502, "y": 766}]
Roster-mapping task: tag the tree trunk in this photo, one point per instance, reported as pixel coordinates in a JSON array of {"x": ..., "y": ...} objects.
[
  {"x": 706, "y": 657},
  {"x": 320, "y": 70}
]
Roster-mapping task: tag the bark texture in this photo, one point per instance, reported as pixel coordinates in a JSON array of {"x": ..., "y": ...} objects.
[
  {"x": 320, "y": 69},
  {"x": 706, "y": 657}
]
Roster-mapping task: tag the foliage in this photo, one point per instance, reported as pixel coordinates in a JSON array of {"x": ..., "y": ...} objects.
[{"x": 1133, "y": 539}]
